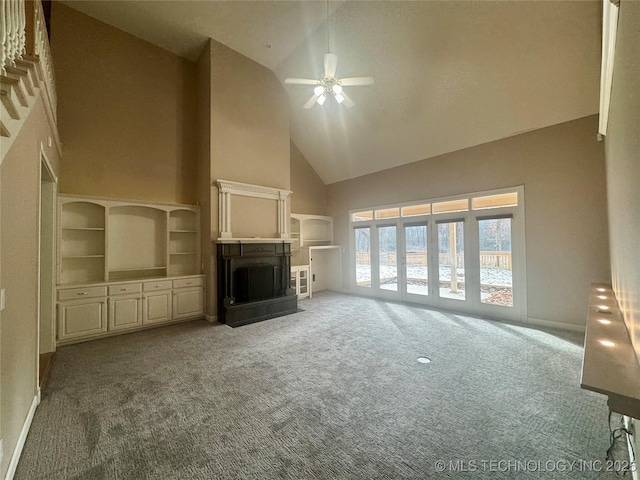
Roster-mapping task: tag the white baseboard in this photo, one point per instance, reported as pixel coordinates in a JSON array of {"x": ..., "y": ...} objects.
[
  {"x": 13, "y": 464},
  {"x": 549, "y": 324}
]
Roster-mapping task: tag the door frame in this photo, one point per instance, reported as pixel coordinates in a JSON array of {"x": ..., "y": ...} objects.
[{"x": 46, "y": 290}]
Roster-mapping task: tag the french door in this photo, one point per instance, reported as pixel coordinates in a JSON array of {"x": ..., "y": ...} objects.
[{"x": 459, "y": 262}]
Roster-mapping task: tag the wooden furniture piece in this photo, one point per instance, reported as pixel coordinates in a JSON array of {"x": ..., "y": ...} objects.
[{"x": 125, "y": 265}]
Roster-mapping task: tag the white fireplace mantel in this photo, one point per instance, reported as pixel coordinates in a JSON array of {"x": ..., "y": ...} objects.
[{"x": 228, "y": 188}]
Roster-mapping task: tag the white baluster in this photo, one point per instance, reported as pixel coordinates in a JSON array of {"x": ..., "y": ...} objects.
[
  {"x": 22, "y": 24},
  {"x": 3, "y": 34}
]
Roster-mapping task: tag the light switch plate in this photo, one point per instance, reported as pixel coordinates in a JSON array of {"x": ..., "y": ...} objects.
[{"x": 2, "y": 299}]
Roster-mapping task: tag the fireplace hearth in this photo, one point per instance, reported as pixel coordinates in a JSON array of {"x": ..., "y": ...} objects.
[{"x": 254, "y": 282}]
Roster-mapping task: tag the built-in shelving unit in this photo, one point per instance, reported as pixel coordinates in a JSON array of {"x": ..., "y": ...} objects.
[
  {"x": 184, "y": 241},
  {"x": 309, "y": 230},
  {"x": 125, "y": 265},
  {"x": 82, "y": 256},
  {"x": 114, "y": 240},
  {"x": 313, "y": 239}
]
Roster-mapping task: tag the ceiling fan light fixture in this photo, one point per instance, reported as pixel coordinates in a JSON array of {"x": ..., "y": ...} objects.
[
  {"x": 337, "y": 89},
  {"x": 319, "y": 90},
  {"x": 321, "y": 99},
  {"x": 339, "y": 97}
]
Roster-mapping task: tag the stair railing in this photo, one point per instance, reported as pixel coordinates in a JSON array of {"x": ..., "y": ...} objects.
[
  {"x": 24, "y": 37},
  {"x": 12, "y": 31}
]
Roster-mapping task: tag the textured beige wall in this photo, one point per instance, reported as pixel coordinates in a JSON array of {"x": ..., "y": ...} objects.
[
  {"x": 127, "y": 113},
  {"x": 249, "y": 121},
  {"x": 203, "y": 82},
  {"x": 309, "y": 191},
  {"x": 562, "y": 170},
  {"x": 19, "y": 199},
  {"x": 248, "y": 139},
  {"x": 622, "y": 149}
]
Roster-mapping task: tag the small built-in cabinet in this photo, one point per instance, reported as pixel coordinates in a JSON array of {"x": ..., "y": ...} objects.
[
  {"x": 300, "y": 280},
  {"x": 117, "y": 264},
  {"x": 82, "y": 313},
  {"x": 188, "y": 297},
  {"x": 312, "y": 248},
  {"x": 157, "y": 307},
  {"x": 125, "y": 311}
]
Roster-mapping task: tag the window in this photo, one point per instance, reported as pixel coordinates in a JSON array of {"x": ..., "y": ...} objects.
[
  {"x": 451, "y": 206},
  {"x": 463, "y": 252},
  {"x": 496, "y": 263},
  {"x": 362, "y": 216},
  {"x": 388, "y": 258},
  {"x": 363, "y": 256},
  {"x": 451, "y": 260},
  {"x": 415, "y": 210},
  {"x": 493, "y": 201},
  {"x": 388, "y": 213}
]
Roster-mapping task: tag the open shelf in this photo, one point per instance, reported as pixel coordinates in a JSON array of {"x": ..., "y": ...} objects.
[{"x": 109, "y": 240}]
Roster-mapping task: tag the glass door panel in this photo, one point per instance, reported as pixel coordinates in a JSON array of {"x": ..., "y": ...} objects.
[
  {"x": 415, "y": 260},
  {"x": 451, "y": 260},
  {"x": 496, "y": 266},
  {"x": 363, "y": 256},
  {"x": 388, "y": 258}
]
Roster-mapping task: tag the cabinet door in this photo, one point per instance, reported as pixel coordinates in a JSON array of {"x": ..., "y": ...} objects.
[
  {"x": 188, "y": 302},
  {"x": 125, "y": 311},
  {"x": 303, "y": 283},
  {"x": 156, "y": 307},
  {"x": 82, "y": 318},
  {"x": 294, "y": 280}
]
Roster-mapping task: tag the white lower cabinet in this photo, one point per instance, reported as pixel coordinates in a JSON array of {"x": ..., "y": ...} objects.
[
  {"x": 92, "y": 311},
  {"x": 157, "y": 307},
  {"x": 188, "y": 302},
  {"x": 82, "y": 318},
  {"x": 125, "y": 311}
]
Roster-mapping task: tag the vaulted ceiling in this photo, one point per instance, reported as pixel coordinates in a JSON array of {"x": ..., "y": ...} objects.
[{"x": 449, "y": 75}]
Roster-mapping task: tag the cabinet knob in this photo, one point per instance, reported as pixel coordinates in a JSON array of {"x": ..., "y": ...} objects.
[
  {"x": 83, "y": 293},
  {"x": 123, "y": 289},
  {"x": 188, "y": 283}
]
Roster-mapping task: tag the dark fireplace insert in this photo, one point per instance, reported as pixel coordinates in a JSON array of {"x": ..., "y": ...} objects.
[{"x": 254, "y": 282}]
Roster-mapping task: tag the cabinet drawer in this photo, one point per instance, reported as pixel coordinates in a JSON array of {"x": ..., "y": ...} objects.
[
  {"x": 79, "y": 293},
  {"x": 125, "y": 288},
  {"x": 188, "y": 282},
  {"x": 160, "y": 285}
]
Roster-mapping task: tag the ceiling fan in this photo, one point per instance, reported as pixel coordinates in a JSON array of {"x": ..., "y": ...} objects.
[{"x": 329, "y": 84}]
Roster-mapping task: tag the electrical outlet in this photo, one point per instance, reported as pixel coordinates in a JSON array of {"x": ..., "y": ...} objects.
[{"x": 2, "y": 299}]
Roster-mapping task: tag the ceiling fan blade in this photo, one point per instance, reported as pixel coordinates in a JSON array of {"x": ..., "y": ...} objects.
[
  {"x": 347, "y": 102},
  {"x": 311, "y": 102},
  {"x": 354, "y": 81},
  {"x": 330, "y": 64},
  {"x": 300, "y": 81}
]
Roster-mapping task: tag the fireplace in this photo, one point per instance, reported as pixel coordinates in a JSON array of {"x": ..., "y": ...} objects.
[{"x": 254, "y": 281}]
